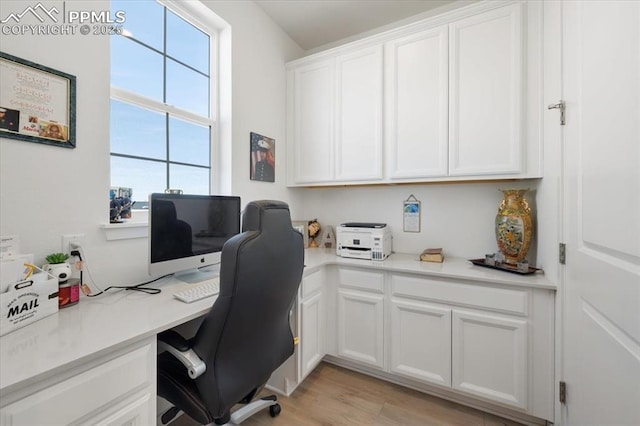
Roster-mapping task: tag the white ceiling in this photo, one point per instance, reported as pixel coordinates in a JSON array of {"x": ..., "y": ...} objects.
[{"x": 314, "y": 23}]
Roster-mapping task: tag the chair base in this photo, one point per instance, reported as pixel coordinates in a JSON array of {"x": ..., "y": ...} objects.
[
  {"x": 253, "y": 407},
  {"x": 238, "y": 416}
]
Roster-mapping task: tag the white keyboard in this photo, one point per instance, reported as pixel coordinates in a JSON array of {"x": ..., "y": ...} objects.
[{"x": 199, "y": 291}]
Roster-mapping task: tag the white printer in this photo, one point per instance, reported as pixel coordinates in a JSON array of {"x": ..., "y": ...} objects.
[{"x": 361, "y": 240}]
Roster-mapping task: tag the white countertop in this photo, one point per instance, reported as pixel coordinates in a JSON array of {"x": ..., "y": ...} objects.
[
  {"x": 454, "y": 268},
  {"x": 108, "y": 322}
]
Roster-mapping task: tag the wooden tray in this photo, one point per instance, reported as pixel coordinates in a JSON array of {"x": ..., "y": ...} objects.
[{"x": 504, "y": 267}]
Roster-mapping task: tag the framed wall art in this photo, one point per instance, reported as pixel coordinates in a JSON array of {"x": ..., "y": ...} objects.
[
  {"x": 263, "y": 158},
  {"x": 37, "y": 103}
]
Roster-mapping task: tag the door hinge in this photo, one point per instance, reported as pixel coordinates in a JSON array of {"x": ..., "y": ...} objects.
[
  {"x": 561, "y": 106},
  {"x": 562, "y": 253},
  {"x": 563, "y": 392}
]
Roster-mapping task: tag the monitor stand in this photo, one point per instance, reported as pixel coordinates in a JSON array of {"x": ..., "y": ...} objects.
[{"x": 193, "y": 276}]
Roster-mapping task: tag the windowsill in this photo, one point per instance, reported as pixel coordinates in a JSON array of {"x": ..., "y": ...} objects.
[{"x": 136, "y": 227}]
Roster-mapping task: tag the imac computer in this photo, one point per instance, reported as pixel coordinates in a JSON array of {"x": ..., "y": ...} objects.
[{"x": 187, "y": 232}]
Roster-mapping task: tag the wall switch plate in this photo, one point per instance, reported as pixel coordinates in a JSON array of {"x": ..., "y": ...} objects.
[{"x": 71, "y": 238}]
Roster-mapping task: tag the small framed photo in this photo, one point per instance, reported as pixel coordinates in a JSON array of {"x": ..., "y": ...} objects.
[
  {"x": 301, "y": 226},
  {"x": 263, "y": 158}
]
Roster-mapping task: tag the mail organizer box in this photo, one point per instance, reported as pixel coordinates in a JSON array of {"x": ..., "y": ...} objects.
[{"x": 27, "y": 301}]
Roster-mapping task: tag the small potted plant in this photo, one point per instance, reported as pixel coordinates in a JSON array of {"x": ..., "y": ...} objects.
[{"x": 58, "y": 266}]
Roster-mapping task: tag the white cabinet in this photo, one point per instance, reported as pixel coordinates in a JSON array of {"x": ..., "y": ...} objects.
[
  {"x": 335, "y": 118},
  {"x": 115, "y": 390},
  {"x": 360, "y": 325},
  {"x": 490, "y": 357},
  {"x": 462, "y": 101},
  {"x": 312, "y": 322},
  {"x": 490, "y": 342},
  {"x": 416, "y": 104},
  {"x": 358, "y": 109},
  {"x": 312, "y": 117},
  {"x": 421, "y": 341},
  {"x": 486, "y": 97}
]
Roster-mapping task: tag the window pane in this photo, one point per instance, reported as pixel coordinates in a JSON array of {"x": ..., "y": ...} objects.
[
  {"x": 186, "y": 43},
  {"x": 144, "y": 20},
  {"x": 137, "y": 131},
  {"x": 188, "y": 142},
  {"x": 187, "y": 89},
  {"x": 144, "y": 177},
  {"x": 192, "y": 180},
  {"x": 136, "y": 68}
]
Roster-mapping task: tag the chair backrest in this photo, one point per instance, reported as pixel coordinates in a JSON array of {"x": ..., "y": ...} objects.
[{"x": 246, "y": 335}]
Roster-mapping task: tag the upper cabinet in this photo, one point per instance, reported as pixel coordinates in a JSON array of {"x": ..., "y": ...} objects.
[
  {"x": 312, "y": 113},
  {"x": 486, "y": 97},
  {"x": 454, "y": 97},
  {"x": 335, "y": 117},
  {"x": 416, "y": 102}
]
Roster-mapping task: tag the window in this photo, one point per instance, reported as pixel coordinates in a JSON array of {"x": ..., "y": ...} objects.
[{"x": 162, "y": 101}]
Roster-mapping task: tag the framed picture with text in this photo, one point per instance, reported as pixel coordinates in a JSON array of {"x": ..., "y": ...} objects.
[{"x": 37, "y": 103}]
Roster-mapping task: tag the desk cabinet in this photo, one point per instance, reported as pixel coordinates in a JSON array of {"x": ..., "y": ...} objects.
[
  {"x": 313, "y": 321},
  {"x": 360, "y": 326},
  {"x": 475, "y": 339},
  {"x": 111, "y": 391},
  {"x": 421, "y": 341}
]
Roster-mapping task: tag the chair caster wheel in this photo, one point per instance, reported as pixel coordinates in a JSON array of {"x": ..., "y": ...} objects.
[{"x": 274, "y": 410}]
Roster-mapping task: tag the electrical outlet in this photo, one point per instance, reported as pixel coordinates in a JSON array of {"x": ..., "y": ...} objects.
[{"x": 71, "y": 238}]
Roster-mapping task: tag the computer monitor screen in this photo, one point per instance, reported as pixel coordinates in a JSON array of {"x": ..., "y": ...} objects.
[{"x": 187, "y": 232}]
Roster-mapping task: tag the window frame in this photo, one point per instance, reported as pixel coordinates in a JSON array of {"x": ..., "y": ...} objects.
[{"x": 140, "y": 101}]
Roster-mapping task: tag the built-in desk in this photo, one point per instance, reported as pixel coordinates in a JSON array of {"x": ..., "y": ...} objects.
[{"x": 95, "y": 362}]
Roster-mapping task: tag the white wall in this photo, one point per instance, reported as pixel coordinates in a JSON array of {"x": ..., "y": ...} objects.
[
  {"x": 49, "y": 191},
  {"x": 64, "y": 191},
  {"x": 457, "y": 217}
]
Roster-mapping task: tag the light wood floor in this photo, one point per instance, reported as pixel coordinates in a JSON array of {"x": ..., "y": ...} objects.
[{"x": 336, "y": 396}]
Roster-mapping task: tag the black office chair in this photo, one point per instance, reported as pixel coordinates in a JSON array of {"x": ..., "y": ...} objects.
[{"x": 246, "y": 335}]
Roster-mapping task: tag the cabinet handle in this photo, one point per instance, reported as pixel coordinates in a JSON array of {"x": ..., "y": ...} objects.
[{"x": 561, "y": 106}]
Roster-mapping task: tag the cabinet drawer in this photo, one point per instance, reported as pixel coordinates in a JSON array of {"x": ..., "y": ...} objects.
[
  {"x": 361, "y": 280},
  {"x": 89, "y": 392},
  {"x": 489, "y": 298},
  {"x": 312, "y": 283}
]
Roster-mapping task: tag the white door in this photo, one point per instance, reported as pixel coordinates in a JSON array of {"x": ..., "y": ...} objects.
[{"x": 601, "y": 335}]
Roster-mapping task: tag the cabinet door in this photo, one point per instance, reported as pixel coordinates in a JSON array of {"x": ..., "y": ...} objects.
[
  {"x": 417, "y": 103},
  {"x": 490, "y": 357},
  {"x": 360, "y": 327},
  {"x": 486, "y": 93},
  {"x": 421, "y": 341},
  {"x": 359, "y": 115},
  {"x": 312, "y": 336},
  {"x": 313, "y": 120},
  {"x": 123, "y": 388}
]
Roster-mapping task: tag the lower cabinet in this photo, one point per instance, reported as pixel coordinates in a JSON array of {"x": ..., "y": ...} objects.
[
  {"x": 421, "y": 341},
  {"x": 490, "y": 357},
  {"x": 116, "y": 390},
  {"x": 360, "y": 316},
  {"x": 491, "y": 343},
  {"x": 360, "y": 327},
  {"x": 313, "y": 319}
]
